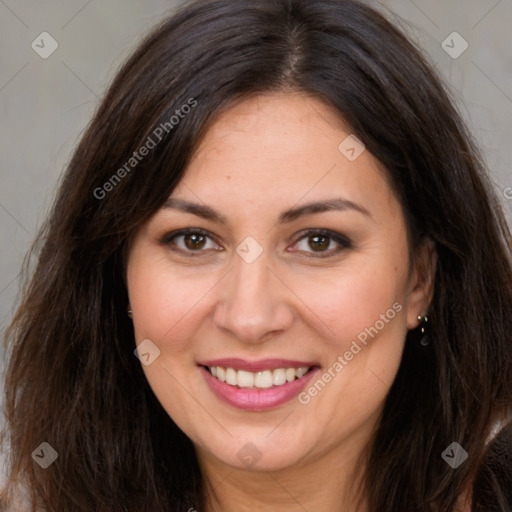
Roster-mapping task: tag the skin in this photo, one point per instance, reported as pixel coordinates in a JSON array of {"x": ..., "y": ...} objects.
[{"x": 263, "y": 156}]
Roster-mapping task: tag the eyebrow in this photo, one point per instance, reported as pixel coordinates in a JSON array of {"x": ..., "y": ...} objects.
[{"x": 206, "y": 212}]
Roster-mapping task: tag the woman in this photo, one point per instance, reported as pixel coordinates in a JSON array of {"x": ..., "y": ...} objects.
[{"x": 275, "y": 278}]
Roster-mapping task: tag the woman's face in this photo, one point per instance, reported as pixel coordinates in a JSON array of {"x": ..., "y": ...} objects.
[{"x": 282, "y": 251}]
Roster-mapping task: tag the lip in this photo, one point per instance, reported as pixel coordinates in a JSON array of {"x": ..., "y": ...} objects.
[
  {"x": 256, "y": 366},
  {"x": 256, "y": 399}
]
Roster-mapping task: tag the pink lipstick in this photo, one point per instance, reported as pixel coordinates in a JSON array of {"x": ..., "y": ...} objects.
[{"x": 257, "y": 385}]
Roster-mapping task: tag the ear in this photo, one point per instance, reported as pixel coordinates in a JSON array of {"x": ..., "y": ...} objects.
[{"x": 421, "y": 282}]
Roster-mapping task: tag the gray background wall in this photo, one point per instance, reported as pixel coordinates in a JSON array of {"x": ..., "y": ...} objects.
[{"x": 46, "y": 103}]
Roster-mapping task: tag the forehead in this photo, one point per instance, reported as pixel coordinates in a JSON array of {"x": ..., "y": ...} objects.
[
  {"x": 276, "y": 125},
  {"x": 277, "y": 148}
]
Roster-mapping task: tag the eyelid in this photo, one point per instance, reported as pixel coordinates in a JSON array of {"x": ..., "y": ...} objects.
[
  {"x": 166, "y": 240},
  {"x": 343, "y": 241}
]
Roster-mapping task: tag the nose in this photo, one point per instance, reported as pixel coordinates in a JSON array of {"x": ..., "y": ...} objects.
[{"x": 253, "y": 302}]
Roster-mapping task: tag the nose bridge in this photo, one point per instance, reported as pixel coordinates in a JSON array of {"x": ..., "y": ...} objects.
[
  {"x": 252, "y": 303},
  {"x": 251, "y": 280}
]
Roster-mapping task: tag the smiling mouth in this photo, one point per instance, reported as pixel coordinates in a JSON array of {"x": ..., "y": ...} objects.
[{"x": 258, "y": 380}]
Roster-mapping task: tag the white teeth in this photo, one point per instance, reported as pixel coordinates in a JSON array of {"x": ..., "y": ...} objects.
[
  {"x": 245, "y": 379},
  {"x": 262, "y": 380},
  {"x": 279, "y": 377},
  {"x": 231, "y": 377},
  {"x": 300, "y": 372}
]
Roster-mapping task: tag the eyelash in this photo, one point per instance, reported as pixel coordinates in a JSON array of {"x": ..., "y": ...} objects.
[{"x": 342, "y": 241}]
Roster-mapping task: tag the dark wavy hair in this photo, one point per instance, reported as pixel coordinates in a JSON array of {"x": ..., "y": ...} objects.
[{"x": 72, "y": 378}]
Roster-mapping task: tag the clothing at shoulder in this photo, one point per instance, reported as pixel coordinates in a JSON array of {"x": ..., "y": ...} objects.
[{"x": 492, "y": 491}]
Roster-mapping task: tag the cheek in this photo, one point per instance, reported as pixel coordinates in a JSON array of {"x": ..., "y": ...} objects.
[
  {"x": 166, "y": 303},
  {"x": 348, "y": 302},
  {"x": 364, "y": 326},
  {"x": 166, "y": 307}
]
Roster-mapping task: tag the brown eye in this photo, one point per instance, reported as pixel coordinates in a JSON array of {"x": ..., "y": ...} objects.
[
  {"x": 318, "y": 242},
  {"x": 190, "y": 241},
  {"x": 323, "y": 242},
  {"x": 194, "y": 241}
]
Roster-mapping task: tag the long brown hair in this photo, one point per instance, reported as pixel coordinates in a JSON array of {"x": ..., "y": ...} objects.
[{"x": 72, "y": 378}]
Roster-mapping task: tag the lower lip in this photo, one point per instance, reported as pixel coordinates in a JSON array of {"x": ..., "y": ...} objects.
[{"x": 256, "y": 399}]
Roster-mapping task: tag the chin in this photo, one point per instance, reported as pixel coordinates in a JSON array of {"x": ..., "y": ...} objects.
[{"x": 260, "y": 454}]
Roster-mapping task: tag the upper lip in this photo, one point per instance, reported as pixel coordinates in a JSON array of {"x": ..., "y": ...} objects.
[{"x": 257, "y": 366}]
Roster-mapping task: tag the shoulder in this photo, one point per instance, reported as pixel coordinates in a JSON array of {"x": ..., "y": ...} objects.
[{"x": 492, "y": 490}]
